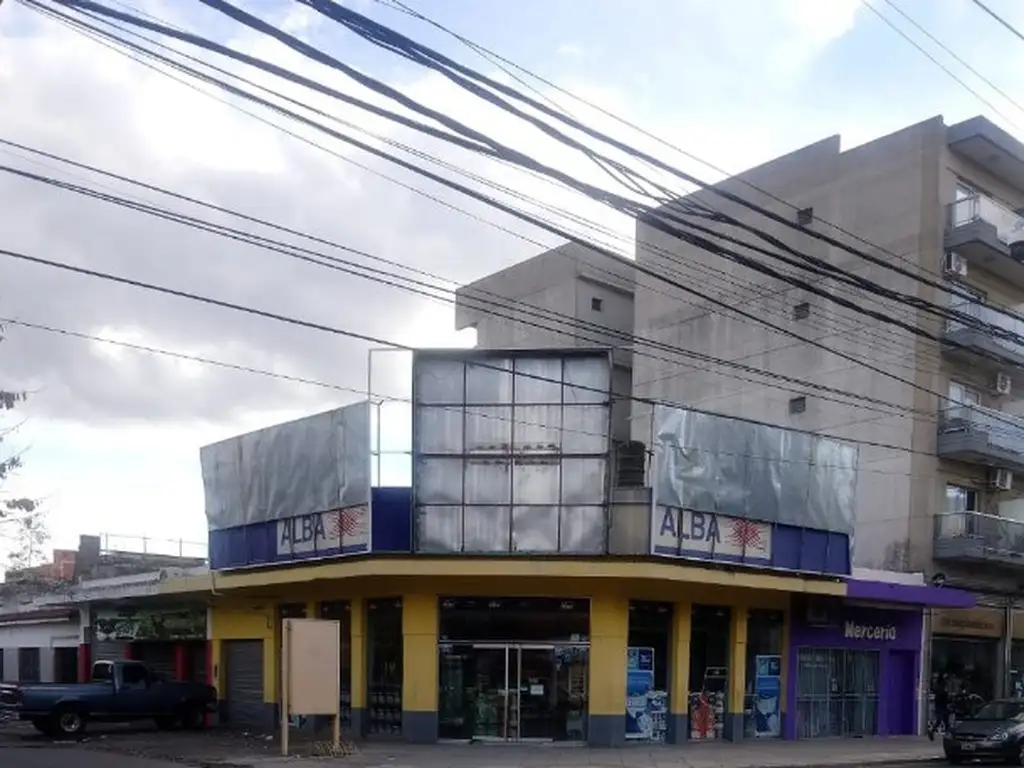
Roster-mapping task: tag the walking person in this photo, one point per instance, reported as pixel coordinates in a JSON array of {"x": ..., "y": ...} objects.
[{"x": 941, "y": 708}]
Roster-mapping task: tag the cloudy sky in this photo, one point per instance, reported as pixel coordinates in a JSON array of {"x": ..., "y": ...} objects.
[{"x": 111, "y": 435}]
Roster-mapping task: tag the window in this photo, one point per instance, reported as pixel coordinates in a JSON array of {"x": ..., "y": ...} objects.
[
  {"x": 802, "y": 310},
  {"x": 797, "y": 404},
  {"x": 961, "y": 499},
  {"x": 28, "y": 665},
  {"x": 964, "y": 190},
  {"x": 102, "y": 672},
  {"x": 961, "y": 400},
  {"x": 134, "y": 674},
  {"x": 596, "y": 304},
  {"x": 805, "y": 216}
]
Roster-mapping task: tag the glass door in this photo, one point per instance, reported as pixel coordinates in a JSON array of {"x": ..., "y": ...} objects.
[
  {"x": 491, "y": 699},
  {"x": 537, "y": 701}
]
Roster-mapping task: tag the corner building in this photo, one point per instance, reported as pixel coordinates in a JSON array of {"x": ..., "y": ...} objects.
[{"x": 526, "y": 587}]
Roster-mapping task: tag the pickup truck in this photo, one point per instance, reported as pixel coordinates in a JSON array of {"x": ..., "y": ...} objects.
[{"x": 120, "y": 692}]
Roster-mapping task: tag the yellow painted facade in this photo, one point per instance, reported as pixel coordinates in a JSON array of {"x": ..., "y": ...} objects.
[{"x": 244, "y": 605}]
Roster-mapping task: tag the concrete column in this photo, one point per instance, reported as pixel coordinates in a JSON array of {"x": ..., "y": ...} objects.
[
  {"x": 46, "y": 665},
  {"x": 10, "y": 665},
  {"x": 733, "y": 726},
  {"x": 679, "y": 669},
  {"x": 609, "y": 635},
  {"x": 785, "y": 672},
  {"x": 357, "y": 643},
  {"x": 419, "y": 668}
]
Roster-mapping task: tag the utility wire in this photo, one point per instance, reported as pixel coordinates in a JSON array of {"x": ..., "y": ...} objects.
[
  {"x": 1016, "y": 32},
  {"x": 378, "y": 341},
  {"x": 963, "y": 83},
  {"x": 966, "y": 65},
  {"x": 882, "y": 340}
]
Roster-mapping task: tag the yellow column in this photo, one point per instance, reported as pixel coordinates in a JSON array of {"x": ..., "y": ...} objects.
[
  {"x": 679, "y": 668},
  {"x": 357, "y": 642},
  {"x": 737, "y": 673},
  {"x": 609, "y": 634},
  {"x": 419, "y": 668}
]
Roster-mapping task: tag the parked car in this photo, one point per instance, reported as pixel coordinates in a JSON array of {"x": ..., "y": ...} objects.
[
  {"x": 120, "y": 692},
  {"x": 993, "y": 732}
]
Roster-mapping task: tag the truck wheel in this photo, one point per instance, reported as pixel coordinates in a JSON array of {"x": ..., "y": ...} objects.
[
  {"x": 193, "y": 718},
  {"x": 69, "y": 722}
]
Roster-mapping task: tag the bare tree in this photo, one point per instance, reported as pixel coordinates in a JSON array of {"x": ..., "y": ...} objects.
[{"x": 29, "y": 539}]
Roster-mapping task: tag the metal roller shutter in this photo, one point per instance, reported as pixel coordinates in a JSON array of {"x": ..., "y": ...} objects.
[
  {"x": 243, "y": 683},
  {"x": 159, "y": 657},
  {"x": 108, "y": 650}
]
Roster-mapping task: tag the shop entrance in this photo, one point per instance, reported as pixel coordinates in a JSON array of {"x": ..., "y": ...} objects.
[
  {"x": 516, "y": 696},
  {"x": 512, "y": 669}
]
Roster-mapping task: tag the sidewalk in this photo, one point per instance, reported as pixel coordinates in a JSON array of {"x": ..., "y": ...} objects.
[{"x": 216, "y": 748}]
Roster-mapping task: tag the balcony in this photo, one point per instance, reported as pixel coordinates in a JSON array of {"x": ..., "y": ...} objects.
[
  {"x": 982, "y": 231},
  {"x": 982, "y": 436},
  {"x": 979, "y": 538},
  {"x": 982, "y": 343}
]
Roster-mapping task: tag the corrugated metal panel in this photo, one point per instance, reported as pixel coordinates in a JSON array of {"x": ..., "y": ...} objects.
[
  {"x": 243, "y": 682},
  {"x": 159, "y": 656},
  {"x": 108, "y": 650}
]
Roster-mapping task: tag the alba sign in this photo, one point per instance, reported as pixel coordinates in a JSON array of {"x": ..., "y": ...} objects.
[{"x": 854, "y": 631}]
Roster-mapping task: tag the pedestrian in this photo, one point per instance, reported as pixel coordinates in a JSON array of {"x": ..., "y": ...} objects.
[{"x": 941, "y": 708}]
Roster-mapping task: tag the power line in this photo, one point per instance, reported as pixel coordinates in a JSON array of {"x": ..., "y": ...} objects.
[
  {"x": 947, "y": 49},
  {"x": 883, "y": 341},
  {"x": 377, "y": 341},
  {"x": 1000, "y": 19},
  {"x": 533, "y": 219},
  {"x": 963, "y": 83}
]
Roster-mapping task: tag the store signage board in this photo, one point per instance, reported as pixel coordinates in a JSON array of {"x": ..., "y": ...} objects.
[
  {"x": 854, "y": 631},
  {"x": 338, "y": 531},
  {"x": 709, "y": 536}
]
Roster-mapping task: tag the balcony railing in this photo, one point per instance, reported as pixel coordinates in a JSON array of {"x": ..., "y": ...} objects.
[
  {"x": 983, "y": 314},
  {"x": 1009, "y": 226},
  {"x": 982, "y": 435},
  {"x": 976, "y": 536}
]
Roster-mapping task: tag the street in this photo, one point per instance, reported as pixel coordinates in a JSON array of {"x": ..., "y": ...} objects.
[{"x": 61, "y": 757}]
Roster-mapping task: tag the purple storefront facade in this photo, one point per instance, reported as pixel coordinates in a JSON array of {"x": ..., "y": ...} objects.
[{"x": 856, "y": 665}]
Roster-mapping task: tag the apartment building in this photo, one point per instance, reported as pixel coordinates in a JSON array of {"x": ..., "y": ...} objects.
[
  {"x": 939, "y": 442},
  {"x": 933, "y": 406}
]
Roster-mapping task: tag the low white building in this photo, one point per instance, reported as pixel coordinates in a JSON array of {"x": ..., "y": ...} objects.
[{"x": 40, "y": 644}]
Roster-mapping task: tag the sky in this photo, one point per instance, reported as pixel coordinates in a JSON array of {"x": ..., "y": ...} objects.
[{"x": 111, "y": 436}]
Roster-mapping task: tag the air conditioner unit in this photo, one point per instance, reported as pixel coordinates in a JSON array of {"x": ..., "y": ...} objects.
[
  {"x": 1001, "y": 479},
  {"x": 1002, "y": 385},
  {"x": 954, "y": 265}
]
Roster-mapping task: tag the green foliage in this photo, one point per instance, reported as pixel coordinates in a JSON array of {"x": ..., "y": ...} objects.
[{"x": 23, "y": 513}]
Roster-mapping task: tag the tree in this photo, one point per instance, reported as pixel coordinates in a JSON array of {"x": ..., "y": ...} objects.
[
  {"x": 30, "y": 533},
  {"x": 30, "y": 537}
]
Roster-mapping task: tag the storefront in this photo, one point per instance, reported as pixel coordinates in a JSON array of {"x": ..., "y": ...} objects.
[
  {"x": 513, "y": 669},
  {"x": 966, "y": 651},
  {"x": 856, "y": 671}
]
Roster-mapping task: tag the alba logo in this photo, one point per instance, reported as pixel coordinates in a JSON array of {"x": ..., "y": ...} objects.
[{"x": 869, "y": 631}]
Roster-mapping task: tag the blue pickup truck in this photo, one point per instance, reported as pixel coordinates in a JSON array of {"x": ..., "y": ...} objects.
[{"x": 120, "y": 692}]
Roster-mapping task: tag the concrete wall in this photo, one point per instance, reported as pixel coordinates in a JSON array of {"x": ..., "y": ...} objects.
[
  {"x": 46, "y": 636},
  {"x": 887, "y": 193},
  {"x": 548, "y": 301}
]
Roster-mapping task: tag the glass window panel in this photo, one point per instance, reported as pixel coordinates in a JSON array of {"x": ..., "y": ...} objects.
[
  {"x": 535, "y": 482},
  {"x": 439, "y": 529},
  {"x": 585, "y": 429},
  {"x": 535, "y": 529},
  {"x": 439, "y": 381},
  {"x": 539, "y": 380},
  {"x": 582, "y": 530},
  {"x": 488, "y": 429},
  {"x": 438, "y": 481},
  {"x": 488, "y": 481},
  {"x": 537, "y": 428},
  {"x": 489, "y": 382},
  {"x": 587, "y": 380},
  {"x": 439, "y": 429},
  {"x": 583, "y": 481},
  {"x": 487, "y": 529}
]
